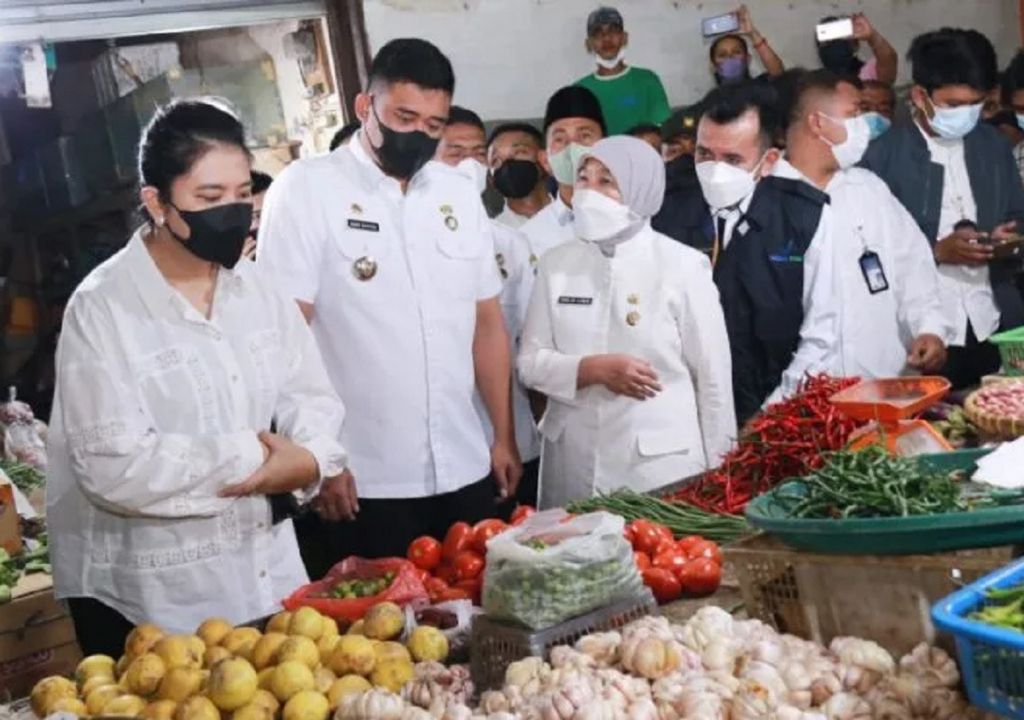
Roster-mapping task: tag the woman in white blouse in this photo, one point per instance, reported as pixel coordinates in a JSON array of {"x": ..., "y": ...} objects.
[
  {"x": 625, "y": 336},
  {"x": 173, "y": 360}
]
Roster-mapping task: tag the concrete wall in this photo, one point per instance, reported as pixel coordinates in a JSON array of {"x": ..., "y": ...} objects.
[{"x": 510, "y": 55}]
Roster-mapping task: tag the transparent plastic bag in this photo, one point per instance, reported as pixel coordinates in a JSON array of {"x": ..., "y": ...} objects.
[
  {"x": 555, "y": 567},
  {"x": 454, "y": 618},
  {"x": 20, "y": 433}
]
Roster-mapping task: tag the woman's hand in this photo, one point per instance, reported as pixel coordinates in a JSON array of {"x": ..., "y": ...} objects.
[
  {"x": 286, "y": 467},
  {"x": 622, "y": 374}
]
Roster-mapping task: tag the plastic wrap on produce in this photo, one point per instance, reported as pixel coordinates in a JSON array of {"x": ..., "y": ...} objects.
[{"x": 555, "y": 567}]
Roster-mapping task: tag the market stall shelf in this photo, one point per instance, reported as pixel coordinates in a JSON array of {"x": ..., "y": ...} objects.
[{"x": 881, "y": 598}]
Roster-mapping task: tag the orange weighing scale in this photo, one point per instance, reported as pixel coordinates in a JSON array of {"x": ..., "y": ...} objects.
[{"x": 890, "y": 406}]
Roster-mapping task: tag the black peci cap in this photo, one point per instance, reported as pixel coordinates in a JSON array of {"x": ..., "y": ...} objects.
[{"x": 573, "y": 101}]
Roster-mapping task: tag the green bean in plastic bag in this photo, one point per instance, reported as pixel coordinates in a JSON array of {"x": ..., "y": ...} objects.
[{"x": 553, "y": 568}]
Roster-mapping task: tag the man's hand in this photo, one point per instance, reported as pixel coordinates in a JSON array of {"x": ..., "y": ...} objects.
[
  {"x": 962, "y": 248},
  {"x": 629, "y": 376},
  {"x": 338, "y": 498},
  {"x": 507, "y": 468},
  {"x": 862, "y": 27},
  {"x": 286, "y": 467},
  {"x": 746, "y": 24},
  {"x": 249, "y": 248},
  {"x": 927, "y": 353}
]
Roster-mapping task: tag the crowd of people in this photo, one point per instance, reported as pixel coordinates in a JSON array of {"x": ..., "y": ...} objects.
[{"x": 396, "y": 359}]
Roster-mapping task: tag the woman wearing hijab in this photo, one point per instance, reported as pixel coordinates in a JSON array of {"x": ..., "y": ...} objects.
[{"x": 625, "y": 336}]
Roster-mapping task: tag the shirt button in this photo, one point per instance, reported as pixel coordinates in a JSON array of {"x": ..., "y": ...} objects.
[{"x": 263, "y": 573}]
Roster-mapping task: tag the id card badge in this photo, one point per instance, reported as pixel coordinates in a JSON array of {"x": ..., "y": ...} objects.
[{"x": 874, "y": 273}]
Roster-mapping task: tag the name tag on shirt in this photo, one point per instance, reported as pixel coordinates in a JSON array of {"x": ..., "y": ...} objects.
[
  {"x": 787, "y": 255},
  {"x": 874, "y": 273},
  {"x": 570, "y": 300},
  {"x": 364, "y": 225}
]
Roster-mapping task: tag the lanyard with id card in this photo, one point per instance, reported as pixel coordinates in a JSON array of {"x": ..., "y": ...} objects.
[{"x": 871, "y": 267}]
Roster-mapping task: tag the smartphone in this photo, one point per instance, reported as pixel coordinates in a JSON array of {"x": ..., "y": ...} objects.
[
  {"x": 720, "y": 24},
  {"x": 835, "y": 30}
]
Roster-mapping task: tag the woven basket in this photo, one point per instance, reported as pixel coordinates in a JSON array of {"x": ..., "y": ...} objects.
[{"x": 996, "y": 426}]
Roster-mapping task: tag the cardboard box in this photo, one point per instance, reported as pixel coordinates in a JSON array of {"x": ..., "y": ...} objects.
[
  {"x": 10, "y": 529},
  {"x": 37, "y": 637}
]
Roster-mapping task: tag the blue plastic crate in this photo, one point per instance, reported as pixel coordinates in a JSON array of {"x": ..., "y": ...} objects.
[{"x": 991, "y": 658}]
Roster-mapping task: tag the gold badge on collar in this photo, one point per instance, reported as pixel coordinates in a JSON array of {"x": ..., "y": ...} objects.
[
  {"x": 356, "y": 209},
  {"x": 451, "y": 222},
  {"x": 365, "y": 268},
  {"x": 632, "y": 318},
  {"x": 632, "y": 299}
]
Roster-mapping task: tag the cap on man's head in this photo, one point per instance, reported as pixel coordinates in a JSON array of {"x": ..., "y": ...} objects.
[
  {"x": 573, "y": 101},
  {"x": 604, "y": 16},
  {"x": 682, "y": 123}
]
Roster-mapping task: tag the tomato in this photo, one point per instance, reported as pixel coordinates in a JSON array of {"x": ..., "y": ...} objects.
[
  {"x": 457, "y": 539},
  {"x": 642, "y": 560},
  {"x": 473, "y": 586},
  {"x": 468, "y": 565},
  {"x": 670, "y": 560},
  {"x": 663, "y": 584},
  {"x": 665, "y": 546},
  {"x": 706, "y": 548},
  {"x": 484, "y": 531},
  {"x": 453, "y": 594},
  {"x": 435, "y": 586},
  {"x": 520, "y": 514},
  {"x": 423, "y": 575},
  {"x": 645, "y": 537},
  {"x": 630, "y": 534},
  {"x": 687, "y": 542},
  {"x": 701, "y": 576},
  {"x": 425, "y": 552},
  {"x": 664, "y": 533},
  {"x": 447, "y": 573}
]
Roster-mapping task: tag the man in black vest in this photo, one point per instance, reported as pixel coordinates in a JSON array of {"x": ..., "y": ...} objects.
[
  {"x": 772, "y": 265},
  {"x": 957, "y": 177}
]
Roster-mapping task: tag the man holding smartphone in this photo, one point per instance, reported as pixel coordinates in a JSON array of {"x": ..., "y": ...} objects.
[
  {"x": 629, "y": 96},
  {"x": 959, "y": 180}
]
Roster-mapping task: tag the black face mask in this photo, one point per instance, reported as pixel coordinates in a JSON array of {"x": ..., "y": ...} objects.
[
  {"x": 217, "y": 234},
  {"x": 516, "y": 179},
  {"x": 402, "y": 154},
  {"x": 840, "y": 57}
]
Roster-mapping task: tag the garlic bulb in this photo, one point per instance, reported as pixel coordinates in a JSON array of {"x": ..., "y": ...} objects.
[
  {"x": 863, "y": 654},
  {"x": 372, "y": 705},
  {"x": 650, "y": 657},
  {"x": 932, "y": 665},
  {"x": 415, "y": 713},
  {"x": 845, "y": 706},
  {"x": 603, "y": 647}
]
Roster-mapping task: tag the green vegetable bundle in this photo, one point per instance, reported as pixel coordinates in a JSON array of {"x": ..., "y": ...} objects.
[
  {"x": 679, "y": 517},
  {"x": 25, "y": 477},
  {"x": 25, "y": 563},
  {"x": 871, "y": 483},
  {"x": 1004, "y": 608}
]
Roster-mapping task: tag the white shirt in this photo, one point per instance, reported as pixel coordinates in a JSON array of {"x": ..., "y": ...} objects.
[
  {"x": 156, "y": 410},
  {"x": 548, "y": 229},
  {"x": 510, "y": 218},
  {"x": 398, "y": 346},
  {"x": 877, "y": 329},
  {"x": 966, "y": 290},
  {"x": 512, "y": 254},
  {"x": 582, "y": 304},
  {"x": 819, "y": 332}
]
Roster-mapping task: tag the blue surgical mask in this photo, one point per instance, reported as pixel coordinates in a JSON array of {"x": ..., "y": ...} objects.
[
  {"x": 953, "y": 123},
  {"x": 732, "y": 69},
  {"x": 877, "y": 123}
]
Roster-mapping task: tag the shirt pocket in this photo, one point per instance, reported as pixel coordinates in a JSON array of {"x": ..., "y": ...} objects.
[
  {"x": 655, "y": 443},
  {"x": 458, "y": 263},
  {"x": 177, "y": 389}
]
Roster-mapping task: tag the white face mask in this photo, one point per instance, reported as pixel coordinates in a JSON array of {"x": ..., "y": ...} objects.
[
  {"x": 858, "y": 135},
  {"x": 724, "y": 185},
  {"x": 565, "y": 161},
  {"x": 476, "y": 170},
  {"x": 596, "y": 217},
  {"x": 613, "y": 63},
  {"x": 953, "y": 123}
]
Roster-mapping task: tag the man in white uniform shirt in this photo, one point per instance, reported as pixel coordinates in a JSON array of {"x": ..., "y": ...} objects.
[
  {"x": 890, "y": 310},
  {"x": 958, "y": 179},
  {"x": 391, "y": 258},
  {"x": 464, "y": 146},
  {"x": 572, "y": 122}
]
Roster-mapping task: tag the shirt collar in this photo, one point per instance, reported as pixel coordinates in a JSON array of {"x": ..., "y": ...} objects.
[
  {"x": 944, "y": 146},
  {"x": 561, "y": 211},
  {"x": 159, "y": 297}
]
